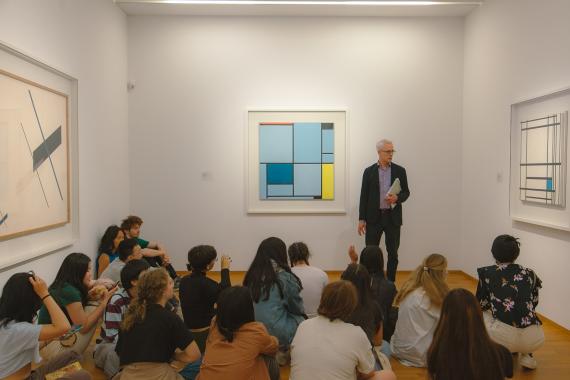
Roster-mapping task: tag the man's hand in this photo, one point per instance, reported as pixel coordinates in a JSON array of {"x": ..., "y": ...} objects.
[
  {"x": 352, "y": 254},
  {"x": 361, "y": 227},
  {"x": 391, "y": 199}
]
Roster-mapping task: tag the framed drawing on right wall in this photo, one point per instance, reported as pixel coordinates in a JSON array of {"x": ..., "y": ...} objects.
[{"x": 539, "y": 161}]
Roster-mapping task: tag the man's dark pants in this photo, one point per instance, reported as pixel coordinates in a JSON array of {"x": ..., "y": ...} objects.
[{"x": 374, "y": 234}]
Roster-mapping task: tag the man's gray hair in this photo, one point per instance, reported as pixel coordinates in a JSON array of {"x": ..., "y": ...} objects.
[{"x": 380, "y": 144}]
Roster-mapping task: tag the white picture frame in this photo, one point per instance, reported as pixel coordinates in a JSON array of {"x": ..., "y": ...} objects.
[
  {"x": 254, "y": 203},
  {"x": 48, "y": 236},
  {"x": 556, "y": 216}
]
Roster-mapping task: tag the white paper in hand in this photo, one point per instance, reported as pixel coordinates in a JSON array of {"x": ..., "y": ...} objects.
[{"x": 394, "y": 190}]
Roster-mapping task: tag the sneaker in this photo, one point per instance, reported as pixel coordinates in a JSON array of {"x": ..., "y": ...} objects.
[
  {"x": 283, "y": 357},
  {"x": 528, "y": 361}
]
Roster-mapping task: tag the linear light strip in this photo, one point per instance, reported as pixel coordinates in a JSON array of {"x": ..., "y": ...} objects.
[{"x": 301, "y": 2}]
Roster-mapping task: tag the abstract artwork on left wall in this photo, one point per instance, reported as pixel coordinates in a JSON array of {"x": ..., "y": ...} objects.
[{"x": 34, "y": 162}]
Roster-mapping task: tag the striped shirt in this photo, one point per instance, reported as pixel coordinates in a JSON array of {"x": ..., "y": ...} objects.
[{"x": 113, "y": 316}]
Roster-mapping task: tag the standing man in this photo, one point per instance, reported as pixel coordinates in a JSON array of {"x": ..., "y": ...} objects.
[{"x": 379, "y": 211}]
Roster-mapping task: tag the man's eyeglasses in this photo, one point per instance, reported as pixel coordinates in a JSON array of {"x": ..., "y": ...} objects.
[{"x": 388, "y": 151}]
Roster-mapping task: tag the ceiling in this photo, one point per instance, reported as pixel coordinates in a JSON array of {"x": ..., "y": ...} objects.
[{"x": 445, "y": 8}]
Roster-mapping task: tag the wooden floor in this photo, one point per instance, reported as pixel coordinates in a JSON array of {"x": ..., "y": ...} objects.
[{"x": 553, "y": 358}]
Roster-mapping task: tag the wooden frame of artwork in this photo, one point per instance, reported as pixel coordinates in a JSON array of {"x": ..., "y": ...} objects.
[
  {"x": 296, "y": 161},
  {"x": 539, "y": 161},
  {"x": 38, "y": 155}
]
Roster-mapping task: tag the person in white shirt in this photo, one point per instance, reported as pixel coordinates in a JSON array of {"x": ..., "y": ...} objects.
[
  {"x": 328, "y": 348},
  {"x": 420, "y": 301},
  {"x": 312, "y": 278}
]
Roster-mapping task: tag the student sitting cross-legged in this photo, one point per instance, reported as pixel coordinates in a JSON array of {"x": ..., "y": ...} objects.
[
  {"x": 199, "y": 294},
  {"x": 327, "y": 347},
  {"x": 276, "y": 294},
  {"x": 420, "y": 300},
  {"x": 129, "y": 249},
  {"x": 105, "y": 356},
  {"x": 22, "y": 296},
  {"x": 82, "y": 304},
  {"x": 238, "y": 347},
  {"x": 152, "y": 336},
  {"x": 461, "y": 347}
]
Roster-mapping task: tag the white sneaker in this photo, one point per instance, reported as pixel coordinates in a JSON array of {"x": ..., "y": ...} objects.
[{"x": 528, "y": 361}]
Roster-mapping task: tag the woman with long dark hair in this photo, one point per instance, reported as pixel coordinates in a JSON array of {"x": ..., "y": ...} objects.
[
  {"x": 72, "y": 290},
  {"x": 22, "y": 296},
  {"x": 150, "y": 334},
  {"x": 109, "y": 247},
  {"x": 237, "y": 345},
  {"x": 461, "y": 347},
  {"x": 276, "y": 293},
  {"x": 367, "y": 313}
]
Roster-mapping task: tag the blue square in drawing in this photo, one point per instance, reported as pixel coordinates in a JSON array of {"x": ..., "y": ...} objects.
[
  {"x": 279, "y": 190},
  {"x": 279, "y": 174},
  {"x": 307, "y": 179},
  {"x": 549, "y": 184},
  {"x": 328, "y": 139},
  {"x": 275, "y": 143},
  {"x": 307, "y": 142},
  {"x": 328, "y": 158}
]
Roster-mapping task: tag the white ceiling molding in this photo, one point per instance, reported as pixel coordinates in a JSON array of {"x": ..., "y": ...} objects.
[{"x": 298, "y": 7}]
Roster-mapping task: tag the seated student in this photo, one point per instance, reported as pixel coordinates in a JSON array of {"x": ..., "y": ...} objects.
[
  {"x": 22, "y": 296},
  {"x": 108, "y": 248},
  {"x": 237, "y": 345},
  {"x": 420, "y": 302},
  {"x": 153, "y": 251},
  {"x": 105, "y": 355},
  {"x": 128, "y": 250},
  {"x": 71, "y": 291},
  {"x": 469, "y": 354},
  {"x": 383, "y": 289},
  {"x": 276, "y": 294},
  {"x": 312, "y": 278},
  {"x": 198, "y": 293},
  {"x": 327, "y": 347},
  {"x": 367, "y": 314},
  {"x": 150, "y": 334},
  {"x": 508, "y": 294}
]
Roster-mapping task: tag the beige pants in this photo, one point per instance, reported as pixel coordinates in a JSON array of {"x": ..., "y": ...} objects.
[
  {"x": 150, "y": 371},
  {"x": 77, "y": 343},
  {"x": 524, "y": 340}
]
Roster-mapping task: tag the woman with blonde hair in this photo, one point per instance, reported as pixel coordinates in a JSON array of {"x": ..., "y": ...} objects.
[
  {"x": 150, "y": 334},
  {"x": 420, "y": 300}
]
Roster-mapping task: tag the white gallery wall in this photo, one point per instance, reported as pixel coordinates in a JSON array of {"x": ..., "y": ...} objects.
[
  {"x": 195, "y": 77},
  {"x": 88, "y": 41},
  {"x": 514, "y": 50}
]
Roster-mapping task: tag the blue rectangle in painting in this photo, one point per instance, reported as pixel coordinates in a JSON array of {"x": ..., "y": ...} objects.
[
  {"x": 275, "y": 143},
  {"x": 279, "y": 174},
  {"x": 307, "y": 142},
  {"x": 262, "y": 181},
  {"x": 328, "y": 158},
  {"x": 308, "y": 179},
  {"x": 328, "y": 140},
  {"x": 279, "y": 190},
  {"x": 549, "y": 184},
  {"x": 286, "y": 198}
]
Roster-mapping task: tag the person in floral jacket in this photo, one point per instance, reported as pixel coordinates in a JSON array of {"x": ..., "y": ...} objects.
[{"x": 508, "y": 294}]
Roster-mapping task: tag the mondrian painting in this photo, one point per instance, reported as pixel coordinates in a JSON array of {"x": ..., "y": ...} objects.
[
  {"x": 296, "y": 160},
  {"x": 543, "y": 159}
]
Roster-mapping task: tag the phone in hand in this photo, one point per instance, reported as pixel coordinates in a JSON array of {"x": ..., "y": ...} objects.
[{"x": 74, "y": 329}]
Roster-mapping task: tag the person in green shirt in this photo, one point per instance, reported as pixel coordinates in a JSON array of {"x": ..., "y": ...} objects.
[
  {"x": 82, "y": 303},
  {"x": 153, "y": 251}
]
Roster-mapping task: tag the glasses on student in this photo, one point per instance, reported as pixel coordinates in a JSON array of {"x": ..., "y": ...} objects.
[{"x": 389, "y": 151}]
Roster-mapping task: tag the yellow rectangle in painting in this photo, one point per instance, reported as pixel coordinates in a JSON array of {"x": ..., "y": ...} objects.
[{"x": 328, "y": 181}]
